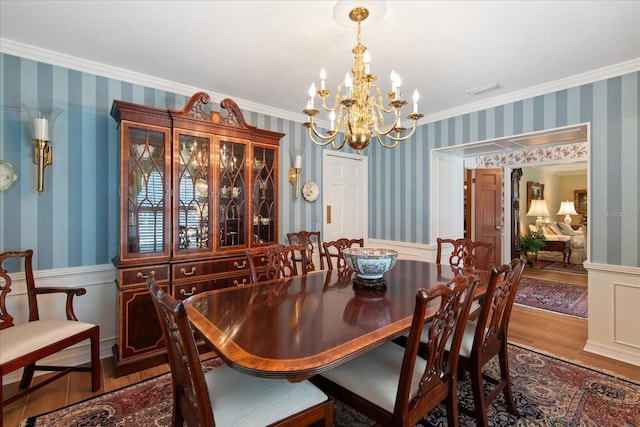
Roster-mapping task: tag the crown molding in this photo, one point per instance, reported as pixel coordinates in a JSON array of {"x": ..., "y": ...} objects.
[
  {"x": 543, "y": 89},
  {"x": 55, "y": 58}
]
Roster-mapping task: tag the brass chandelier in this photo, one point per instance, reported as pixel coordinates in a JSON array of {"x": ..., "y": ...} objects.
[{"x": 359, "y": 104}]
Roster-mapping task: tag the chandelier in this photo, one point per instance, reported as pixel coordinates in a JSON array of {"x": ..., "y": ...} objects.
[{"x": 359, "y": 109}]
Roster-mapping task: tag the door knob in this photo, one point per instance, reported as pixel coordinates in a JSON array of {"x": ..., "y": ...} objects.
[{"x": 498, "y": 227}]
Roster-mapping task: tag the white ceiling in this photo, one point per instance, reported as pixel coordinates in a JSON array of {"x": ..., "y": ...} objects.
[{"x": 266, "y": 53}]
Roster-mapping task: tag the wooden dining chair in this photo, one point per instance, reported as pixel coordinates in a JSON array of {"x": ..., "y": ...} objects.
[
  {"x": 223, "y": 396},
  {"x": 466, "y": 253},
  {"x": 333, "y": 251},
  {"x": 275, "y": 262},
  {"x": 309, "y": 239},
  {"x": 487, "y": 337},
  {"x": 392, "y": 384},
  {"x": 22, "y": 345}
]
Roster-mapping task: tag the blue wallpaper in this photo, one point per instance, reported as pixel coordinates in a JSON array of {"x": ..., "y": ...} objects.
[{"x": 74, "y": 222}]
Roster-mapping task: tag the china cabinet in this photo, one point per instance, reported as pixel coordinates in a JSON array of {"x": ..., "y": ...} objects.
[{"x": 196, "y": 190}]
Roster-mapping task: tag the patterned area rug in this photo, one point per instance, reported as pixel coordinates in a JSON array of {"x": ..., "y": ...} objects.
[
  {"x": 563, "y": 298},
  {"x": 567, "y": 268},
  {"x": 547, "y": 392}
]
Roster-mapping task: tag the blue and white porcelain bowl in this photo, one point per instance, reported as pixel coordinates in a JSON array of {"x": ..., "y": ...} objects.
[{"x": 370, "y": 263}]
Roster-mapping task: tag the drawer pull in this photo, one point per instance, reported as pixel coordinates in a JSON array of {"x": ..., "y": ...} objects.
[
  {"x": 188, "y": 273},
  {"x": 142, "y": 276},
  {"x": 240, "y": 267},
  {"x": 244, "y": 282},
  {"x": 188, "y": 294}
]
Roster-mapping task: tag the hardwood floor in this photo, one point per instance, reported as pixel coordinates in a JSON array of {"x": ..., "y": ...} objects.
[{"x": 562, "y": 336}]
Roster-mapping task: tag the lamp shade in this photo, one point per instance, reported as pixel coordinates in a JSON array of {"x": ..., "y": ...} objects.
[
  {"x": 538, "y": 208},
  {"x": 567, "y": 209}
]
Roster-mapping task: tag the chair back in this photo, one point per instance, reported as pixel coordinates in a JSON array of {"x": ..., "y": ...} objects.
[
  {"x": 308, "y": 239},
  {"x": 439, "y": 377},
  {"x": 333, "y": 252},
  {"x": 493, "y": 320},
  {"x": 191, "y": 403},
  {"x": 279, "y": 261},
  {"x": 467, "y": 253}
]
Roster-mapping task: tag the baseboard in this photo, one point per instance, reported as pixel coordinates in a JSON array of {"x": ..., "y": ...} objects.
[{"x": 630, "y": 357}]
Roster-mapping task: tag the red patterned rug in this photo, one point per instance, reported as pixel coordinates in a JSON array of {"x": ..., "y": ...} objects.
[
  {"x": 559, "y": 297},
  {"x": 547, "y": 392}
]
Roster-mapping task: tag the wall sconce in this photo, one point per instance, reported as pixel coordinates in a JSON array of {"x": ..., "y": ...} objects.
[
  {"x": 41, "y": 121},
  {"x": 294, "y": 173}
]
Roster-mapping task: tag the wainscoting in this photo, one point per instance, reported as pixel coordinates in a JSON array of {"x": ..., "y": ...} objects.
[{"x": 614, "y": 298}]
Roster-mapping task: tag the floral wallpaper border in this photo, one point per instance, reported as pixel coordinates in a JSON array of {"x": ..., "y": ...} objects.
[{"x": 577, "y": 150}]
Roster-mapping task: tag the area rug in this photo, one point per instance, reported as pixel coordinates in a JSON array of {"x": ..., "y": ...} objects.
[
  {"x": 547, "y": 392},
  {"x": 559, "y": 297},
  {"x": 567, "y": 268}
]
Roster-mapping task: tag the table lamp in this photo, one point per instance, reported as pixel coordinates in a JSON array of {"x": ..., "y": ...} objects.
[
  {"x": 539, "y": 209},
  {"x": 567, "y": 209}
]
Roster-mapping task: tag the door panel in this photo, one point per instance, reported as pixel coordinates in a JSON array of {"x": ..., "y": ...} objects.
[
  {"x": 488, "y": 210},
  {"x": 344, "y": 196}
]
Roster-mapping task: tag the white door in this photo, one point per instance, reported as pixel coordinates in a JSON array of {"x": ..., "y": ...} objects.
[
  {"x": 344, "y": 185},
  {"x": 447, "y": 196}
]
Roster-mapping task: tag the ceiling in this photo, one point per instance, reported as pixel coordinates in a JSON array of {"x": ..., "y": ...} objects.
[{"x": 265, "y": 54}]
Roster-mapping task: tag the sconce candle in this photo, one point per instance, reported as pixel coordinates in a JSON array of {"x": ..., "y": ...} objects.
[
  {"x": 41, "y": 129},
  {"x": 298, "y": 162}
]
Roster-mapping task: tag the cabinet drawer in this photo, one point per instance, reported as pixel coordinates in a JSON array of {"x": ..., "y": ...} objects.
[
  {"x": 186, "y": 289},
  {"x": 201, "y": 269},
  {"x": 137, "y": 276}
]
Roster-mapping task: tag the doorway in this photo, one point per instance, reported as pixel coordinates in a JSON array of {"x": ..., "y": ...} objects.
[{"x": 471, "y": 155}]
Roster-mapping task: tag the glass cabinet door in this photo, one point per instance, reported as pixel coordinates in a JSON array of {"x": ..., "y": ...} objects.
[
  {"x": 264, "y": 207},
  {"x": 232, "y": 208},
  {"x": 146, "y": 214},
  {"x": 192, "y": 181}
]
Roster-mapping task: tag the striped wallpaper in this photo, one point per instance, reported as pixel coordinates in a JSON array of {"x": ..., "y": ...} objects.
[{"x": 74, "y": 222}]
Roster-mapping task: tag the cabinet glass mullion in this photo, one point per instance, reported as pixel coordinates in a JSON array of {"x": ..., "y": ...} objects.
[
  {"x": 265, "y": 208},
  {"x": 231, "y": 193},
  {"x": 146, "y": 212},
  {"x": 192, "y": 181}
]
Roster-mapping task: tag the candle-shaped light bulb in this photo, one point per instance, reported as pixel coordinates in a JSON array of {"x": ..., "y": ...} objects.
[
  {"x": 332, "y": 117},
  {"x": 312, "y": 93},
  {"x": 297, "y": 162},
  {"x": 393, "y": 80},
  {"x": 367, "y": 61},
  {"x": 416, "y": 97},
  {"x": 41, "y": 129},
  {"x": 348, "y": 82},
  {"x": 323, "y": 78},
  {"x": 398, "y": 82}
]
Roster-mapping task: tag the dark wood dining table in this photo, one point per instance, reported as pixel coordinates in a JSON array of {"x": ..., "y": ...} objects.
[{"x": 298, "y": 327}]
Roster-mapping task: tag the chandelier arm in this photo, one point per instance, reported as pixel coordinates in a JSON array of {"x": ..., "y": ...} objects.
[
  {"x": 325, "y": 140},
  {"x": 397, "y": 139},
  {"x": 380, "y": 103}
]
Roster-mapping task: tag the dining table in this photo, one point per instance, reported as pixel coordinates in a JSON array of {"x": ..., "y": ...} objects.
[{"x": 301, "y": 326}]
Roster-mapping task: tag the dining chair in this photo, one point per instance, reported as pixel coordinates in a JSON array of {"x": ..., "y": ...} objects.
[
  {"x": 309, "y": 239},
  {"x": 275, "y": 262},
  {"x": 23, "y": 345},
  {"x": 487, "y": 337},
  {"x": 392, "y": 384},
  {"x": 334, "y": 248},
  {"x": 466, "y": 253},
  {"x": 223, "y": 396}
]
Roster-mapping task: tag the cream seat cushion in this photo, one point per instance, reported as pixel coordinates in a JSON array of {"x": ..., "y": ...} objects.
[
  {"x": 240, "y": 399},
  {"x": 467, "y": 338},
  {"x": 376, "y": 374},
  {"x": 28, "y": 337}
]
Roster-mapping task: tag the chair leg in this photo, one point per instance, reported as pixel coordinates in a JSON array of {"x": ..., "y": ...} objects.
[
  {"x": 479, "y": 407},
  {"x": 451, "y": 405},
  {"x": 96, "y": 371},
  {"x": 506, "y": 378},
  {"x": 27, "y": 375}
]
